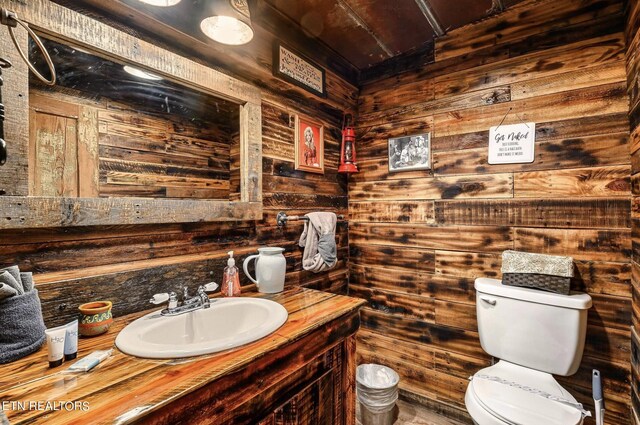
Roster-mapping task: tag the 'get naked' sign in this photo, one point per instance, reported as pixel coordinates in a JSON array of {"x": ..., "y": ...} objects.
[{"x": 512, "y": 144}]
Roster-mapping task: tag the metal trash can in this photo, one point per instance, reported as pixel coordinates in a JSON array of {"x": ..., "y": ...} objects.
[{"x": 377, "y": 391}]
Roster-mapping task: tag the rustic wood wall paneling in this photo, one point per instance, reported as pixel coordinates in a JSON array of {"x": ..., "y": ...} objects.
[
  {"x": 121, "y": 152},
  {"x": 179, "y": 159},
  {"x": 632, "y": 35},
  {"x": 419, "y": 239},
  {"x": 128, "y": 263},
  {"x": 62, "y": 23}
]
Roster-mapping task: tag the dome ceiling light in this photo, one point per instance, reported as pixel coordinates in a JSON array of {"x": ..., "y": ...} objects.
[
  {"x": 160, "y": 3},
  {"x": 141, "y": 74},
  {"x": 229, "y": 23}
]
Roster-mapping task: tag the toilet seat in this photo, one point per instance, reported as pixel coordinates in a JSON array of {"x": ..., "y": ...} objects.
[{"x": 493, "y": 402}]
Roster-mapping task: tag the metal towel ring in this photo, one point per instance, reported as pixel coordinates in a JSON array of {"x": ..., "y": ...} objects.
[{"x": 10, "y": 19}]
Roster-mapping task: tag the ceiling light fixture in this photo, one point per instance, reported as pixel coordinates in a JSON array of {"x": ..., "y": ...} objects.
[
  {"x": 141, "y": 74},
  {"x": 229, "y": 23},
  {"x": 161, "y": 3}
]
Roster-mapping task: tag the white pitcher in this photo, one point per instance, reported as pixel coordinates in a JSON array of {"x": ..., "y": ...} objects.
[{"x": 271, "y": 267}]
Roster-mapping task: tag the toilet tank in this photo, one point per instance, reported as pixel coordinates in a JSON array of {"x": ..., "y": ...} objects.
[{"x": 532, "y": 328}]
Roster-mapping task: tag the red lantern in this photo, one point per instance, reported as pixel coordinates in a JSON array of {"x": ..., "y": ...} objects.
[{"x": 348, "y": 149}]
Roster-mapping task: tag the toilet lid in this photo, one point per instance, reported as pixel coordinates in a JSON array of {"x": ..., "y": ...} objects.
[{"x": 514, "y": 404}]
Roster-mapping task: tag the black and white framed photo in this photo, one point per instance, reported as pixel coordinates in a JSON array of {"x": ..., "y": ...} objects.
[{"x": 410, "y": 152}]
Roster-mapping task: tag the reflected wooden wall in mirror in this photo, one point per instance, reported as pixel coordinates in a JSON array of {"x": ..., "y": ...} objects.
[
  {"x": 130, "y": 133},
  {"x": 154, "y": 138}
]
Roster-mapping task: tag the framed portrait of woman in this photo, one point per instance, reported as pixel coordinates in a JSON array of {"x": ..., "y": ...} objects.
[{"x": 309, "y": 144}]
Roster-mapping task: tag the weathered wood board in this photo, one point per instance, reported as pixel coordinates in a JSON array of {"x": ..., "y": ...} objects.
[
  {"x": 632, "y": 35},
  {"x": 419, "y": 239}
]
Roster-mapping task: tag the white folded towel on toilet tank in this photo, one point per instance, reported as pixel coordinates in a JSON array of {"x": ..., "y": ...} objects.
[{"x": 319, "y": 242}]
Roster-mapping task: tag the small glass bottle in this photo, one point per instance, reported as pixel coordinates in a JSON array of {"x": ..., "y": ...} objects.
[{"x": 230, "y": 279}]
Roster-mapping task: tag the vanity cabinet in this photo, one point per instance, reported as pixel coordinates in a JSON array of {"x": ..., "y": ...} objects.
[
  {"x": 282, "y": 388},
  {"x": 315, "y": 394},
  {"x": 303, "y": 373}
]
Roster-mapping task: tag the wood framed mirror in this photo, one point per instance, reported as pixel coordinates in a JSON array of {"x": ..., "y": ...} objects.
[{"x": 130, "y": 134}]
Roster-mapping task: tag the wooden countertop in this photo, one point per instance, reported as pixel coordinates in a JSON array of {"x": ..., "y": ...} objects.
[{"x": 125, "y": 388}]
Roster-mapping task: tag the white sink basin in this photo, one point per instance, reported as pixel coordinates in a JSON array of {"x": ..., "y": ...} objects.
[{"x": 226, "y": 324}]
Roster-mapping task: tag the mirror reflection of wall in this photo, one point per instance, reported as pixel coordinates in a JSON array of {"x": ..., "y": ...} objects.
[{"x": 113, "y": 130}]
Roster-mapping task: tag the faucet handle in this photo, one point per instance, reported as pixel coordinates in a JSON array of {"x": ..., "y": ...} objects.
[
  {"x": 210, "y": 287},
  {"x": 173, "y": 300},
  {"x": 159, "y": 298}
]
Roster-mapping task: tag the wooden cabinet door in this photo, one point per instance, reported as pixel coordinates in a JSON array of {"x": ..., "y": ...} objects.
[
  {"x": 63, "y": 148},
  {"x": 54, "y": 159},
  {"x": 314, "y": 405}
]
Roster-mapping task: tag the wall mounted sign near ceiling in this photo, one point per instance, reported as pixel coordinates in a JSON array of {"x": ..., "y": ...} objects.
[
  {"x": 298, "y": 70},
  {"x": 410, "y": 153},
  {"x": 309, "y": 145}
]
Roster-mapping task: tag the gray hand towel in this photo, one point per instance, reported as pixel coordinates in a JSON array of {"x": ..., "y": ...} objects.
[
  {"x": 8, "y": 278},
  {"x": 7, "y": 291},
  {"x": 27, "y": 281},
  {"x": 319, "y": 242},
  {"x": 22, "y": 326},
  {"x": 13, "y": 271}
]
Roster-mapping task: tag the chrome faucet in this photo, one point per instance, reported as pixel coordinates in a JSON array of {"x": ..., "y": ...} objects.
[{"x": 200, "y": 300}]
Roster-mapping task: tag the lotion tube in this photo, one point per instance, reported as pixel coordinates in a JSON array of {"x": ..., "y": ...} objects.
[
  {"x": 55, "y": 344},
  {"x": 71, "y": 341},
  {"x": 92, "y": 360}
]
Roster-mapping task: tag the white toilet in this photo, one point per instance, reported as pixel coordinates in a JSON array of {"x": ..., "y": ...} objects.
[{"x": 534, "y": 334}]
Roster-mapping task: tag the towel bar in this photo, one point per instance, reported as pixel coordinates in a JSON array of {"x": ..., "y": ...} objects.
[{"x": 282, "y": 218}]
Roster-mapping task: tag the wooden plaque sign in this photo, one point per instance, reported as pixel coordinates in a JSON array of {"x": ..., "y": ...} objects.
[
  {"x": 298, "y": 70},
  {"x": 512, "y": 144}
]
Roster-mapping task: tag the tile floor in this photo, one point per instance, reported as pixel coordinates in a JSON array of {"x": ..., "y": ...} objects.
[{"x": 413, "y": 414}]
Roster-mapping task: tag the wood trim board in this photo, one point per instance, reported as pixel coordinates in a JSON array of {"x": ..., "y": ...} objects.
[{"x": 62, "y": 24}]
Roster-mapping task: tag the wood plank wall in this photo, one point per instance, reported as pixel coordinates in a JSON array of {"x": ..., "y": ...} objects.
[
  {"x": 127, "y": 264},
  {"x": 138, "y": 154},
  {"x": 632, "y": 35},
  {"x": 179, "y": 159},
  {"x": 418, "y": 239}
]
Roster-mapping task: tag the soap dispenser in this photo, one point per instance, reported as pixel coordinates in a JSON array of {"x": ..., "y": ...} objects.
[{"x": 230, "y": 279}]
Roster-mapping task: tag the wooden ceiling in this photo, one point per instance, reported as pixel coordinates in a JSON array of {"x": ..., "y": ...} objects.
[
  {"x": 367, "y": 32},
  {"x": 359, "y": 34}
]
